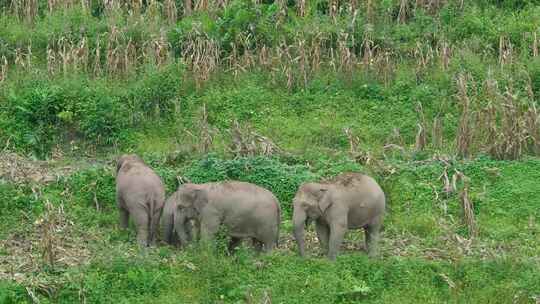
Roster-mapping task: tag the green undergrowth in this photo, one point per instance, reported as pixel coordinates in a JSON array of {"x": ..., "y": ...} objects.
[{"x": 501, "y": 267}]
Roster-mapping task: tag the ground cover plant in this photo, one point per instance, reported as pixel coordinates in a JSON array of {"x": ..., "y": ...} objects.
[{"x": 437, "y": 100}]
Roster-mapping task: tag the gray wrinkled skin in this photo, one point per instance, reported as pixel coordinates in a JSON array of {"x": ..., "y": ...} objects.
[
  {"x": 350, "y": 201},
  {"x": 246, "y": 210},
  {"x": 169, "y": 233},
  {"x": 140, "y": 195}
]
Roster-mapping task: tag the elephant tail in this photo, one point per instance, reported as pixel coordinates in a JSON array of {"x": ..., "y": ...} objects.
[{"x": 152, "y": 217}]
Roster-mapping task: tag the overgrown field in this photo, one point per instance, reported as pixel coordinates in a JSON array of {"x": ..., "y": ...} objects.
[
  {"x": 437, "y": 100},
  {"x": 70, "y": 249}
]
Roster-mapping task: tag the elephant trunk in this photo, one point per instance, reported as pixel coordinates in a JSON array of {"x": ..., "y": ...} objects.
[
  {"x": 180, "y": 221},
  {"x": 167, "y": 224},
  {"x": 299, "y": 219}
]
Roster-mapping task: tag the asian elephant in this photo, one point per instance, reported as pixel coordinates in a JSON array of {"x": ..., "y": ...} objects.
[
  {"x": 169, "y": 233},
  {"x": 349, "y": 201},
  {"x": 139, "y": 194},
  {"x": 246, "y": 210}
]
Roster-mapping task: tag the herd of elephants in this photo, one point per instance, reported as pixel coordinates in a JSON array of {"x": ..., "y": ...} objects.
[{"x": 349, "y": 201}]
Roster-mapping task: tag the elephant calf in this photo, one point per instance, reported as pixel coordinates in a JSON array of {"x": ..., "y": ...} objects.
[
  {"x": 139, "y": 194},
  {"x": 350, "y": 201},
  {"x": 169, "y": 233},
  {"x": 246, "y": 210}
]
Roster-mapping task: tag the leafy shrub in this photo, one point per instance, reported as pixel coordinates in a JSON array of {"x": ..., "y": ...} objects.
[
  {"x": 283, "y": 180},
  {"x": 154, "y": 94}
]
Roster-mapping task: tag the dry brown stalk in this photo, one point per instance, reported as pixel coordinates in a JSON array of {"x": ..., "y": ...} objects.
[
  {"x": 303, "y": 62},
  {"x": 287, "y": 63},
  {"x": 23, "y": 58},
  {"x": 49, "y": 236},
  {"x": 421, "y": 139},
  {"x": 369, "y": 11},
  {"x": 153, "y": 11},
  {"x": 206, "y": 138},
  {"x": 533, "y": 127},
  {"x": 97, "y": 58},
  {"x": 354, "y": 141},
  {"x": 316, "y": 52},
  {"x": 445, "y": 51},
  {"x": 464, "y": 132},
  {"x": 403, "y": 11},
  {"x": 188, "y": 7},
  {"x": 113, "y": 58},
  {"x": 135, "y": 7},
  {"x": 264, "y": 57},
  {"x": 301, "y": 8},
  {"x": 535, "y": 45},
  {"x": 25, "y": 10},
  {"x": 448, "y": 188},
  {"x": 423, "y": 55},
  {"x": 169, "y": 6},
  {"x": 346, "y": 57},
  {"x": 367, "y": 46},
  {"x": 247, "y": 60},
  {"x": 246, "y": 142},
  {"x": 282, "y": 11},
  {"x": 81, "y": 54},
  {"x": 505, "y": 51},
  {"x": 201, "y": 5},
  {"x": 384, "y": 67},
  {"x": 437, "y": 133},
  {"x": 202, "y": 55},
  {"x": 157, "y": 50},
  {"x": 529, "y": 87},
  {"x": 467, "y": 207},
  {"x": 111, "y": 6},
  {"x": 513, "y": 129},
  {"x": 85, "y": 4},
  {"x": 489, "y": 131},
  {"x": 333, "y": 6},
  {"x": 3, "y": 68}
]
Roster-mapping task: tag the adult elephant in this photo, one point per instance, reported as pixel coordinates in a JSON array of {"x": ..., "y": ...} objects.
[
  {"x": 350, "y": 201},
  {"x": 246, "y": 210},
  {"x": 140, "y": 195}
]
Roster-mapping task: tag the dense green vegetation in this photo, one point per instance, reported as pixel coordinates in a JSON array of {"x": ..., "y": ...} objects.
[{"x": 419, "y": 94}]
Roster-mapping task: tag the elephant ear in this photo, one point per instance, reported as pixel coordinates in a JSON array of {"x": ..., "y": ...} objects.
[
  {"x": 120, "y": 162},
  {"x": 324, "y": 200},
  {"x": 195, "y": 197},
  {"x": 201, "y": 199}
]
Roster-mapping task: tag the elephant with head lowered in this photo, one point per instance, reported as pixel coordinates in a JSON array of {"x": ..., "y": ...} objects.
[
  {"x": 246, "y": 210},
  {"x": 349, "y": 201},
  {"x": 140, "y": 195},
  {"x": 169, "y": 233}
]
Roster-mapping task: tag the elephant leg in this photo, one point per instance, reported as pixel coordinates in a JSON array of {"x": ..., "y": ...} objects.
[
  {"x": 322, "y": 235},
  {"x": 154, "y": 228},
  {"x": 233, "y": 243},
  {"x": 142, "y": 223},
  {"x": 372, "y": 232},
  {"x": 337, "y": 232},
  {"x": 269, "y": 245},
  {"x": 257, "y": 245},
  {"x": 123, "y": 218},
  {"x": 188, "y": 226}
]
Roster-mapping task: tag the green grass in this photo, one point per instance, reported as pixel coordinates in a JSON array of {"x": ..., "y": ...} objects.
[
  {"x": 422, "y": 261},
  {"x": 84, "y": 120}
]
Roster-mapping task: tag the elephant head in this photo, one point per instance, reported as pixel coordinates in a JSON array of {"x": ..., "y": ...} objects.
[
  {"x": 309, "y": 203},
  {"x": 191, "y": 201},
  {"x": 126, "y": 159}
]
